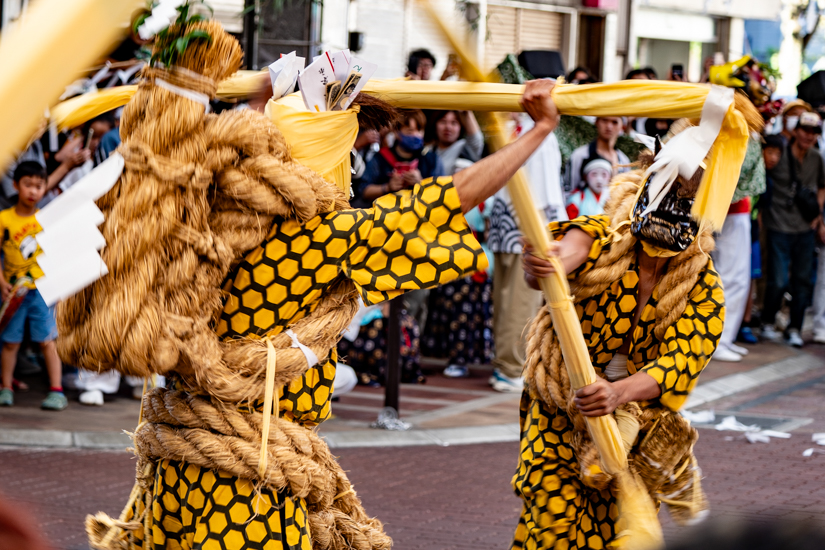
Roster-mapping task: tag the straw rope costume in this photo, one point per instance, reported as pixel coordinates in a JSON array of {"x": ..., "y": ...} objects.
[
  {"x": 569, "y": 500},
  {"x": 199, "y": 192},
  {"x": 217, "y": 243}
]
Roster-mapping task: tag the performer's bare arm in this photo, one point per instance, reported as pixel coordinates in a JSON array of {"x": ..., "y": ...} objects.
[
  {"x": 481, "y": 180},
  {"x": 601, "y": 397}
]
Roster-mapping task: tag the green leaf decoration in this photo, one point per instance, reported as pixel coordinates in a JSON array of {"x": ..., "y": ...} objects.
[
  {"x": 139, "y": 21},
  {"x": 184, "y": 14},
  {"x": 171, "y": 44},
  {"x": 199, "y": 34},
  {"x": 181, "y": 43}
]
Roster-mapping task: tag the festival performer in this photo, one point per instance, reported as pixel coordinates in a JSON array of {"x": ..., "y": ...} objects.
[
  {"x": 209, "y": 202},
  {"x": 651, "y": 310}
]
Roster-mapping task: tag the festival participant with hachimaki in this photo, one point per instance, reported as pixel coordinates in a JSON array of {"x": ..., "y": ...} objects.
[
  {"x": 233, "y": 270},
  {"x": 651, "y": 308}
]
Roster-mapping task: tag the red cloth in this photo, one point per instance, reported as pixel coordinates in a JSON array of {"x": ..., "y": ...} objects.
[{"x": 740, "y": 207}]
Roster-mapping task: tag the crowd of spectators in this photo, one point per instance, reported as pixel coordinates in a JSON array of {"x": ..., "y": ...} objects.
[{"x": 481, "y": 319}]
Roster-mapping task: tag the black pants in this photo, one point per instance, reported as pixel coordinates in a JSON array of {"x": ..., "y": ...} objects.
[{"x": 790, "y": 268}]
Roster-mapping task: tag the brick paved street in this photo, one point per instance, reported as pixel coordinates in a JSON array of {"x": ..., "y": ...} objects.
[
  {"x": 428, "y": 497},
  {"x": 459, "y": 497}
]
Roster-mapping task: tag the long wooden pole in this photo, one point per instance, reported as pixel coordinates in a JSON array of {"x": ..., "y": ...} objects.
[
  {"x": 45, "y": 51},
  {"x": 637, "y": 518}
]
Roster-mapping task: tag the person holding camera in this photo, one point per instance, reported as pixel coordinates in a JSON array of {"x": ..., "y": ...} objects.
[
  {"x": 401, "y": 165},
  {"x": 792, "y": 218}
]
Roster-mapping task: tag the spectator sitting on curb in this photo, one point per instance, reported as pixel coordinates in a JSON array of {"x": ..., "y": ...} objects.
[{"x": 20, "y": 250}]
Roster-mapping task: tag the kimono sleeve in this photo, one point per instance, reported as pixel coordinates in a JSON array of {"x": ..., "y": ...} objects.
[
  {"x": 411, "y": 240},
  {"x": 688, "y": 345},
  {"x": 596, "y": 227}
]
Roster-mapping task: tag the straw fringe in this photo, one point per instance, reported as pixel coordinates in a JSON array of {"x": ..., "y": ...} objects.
[
  {"x": 547, "y": 379},
  {"x": 197, "y": 193}
]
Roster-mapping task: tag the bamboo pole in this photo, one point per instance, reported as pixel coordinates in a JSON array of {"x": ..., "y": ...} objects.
[
  {"x": 638, "y": 527},
  {"x": 44, "y": 52}
]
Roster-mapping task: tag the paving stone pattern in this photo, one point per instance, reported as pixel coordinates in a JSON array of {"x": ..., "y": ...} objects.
[{"x": 430, "y": 497}]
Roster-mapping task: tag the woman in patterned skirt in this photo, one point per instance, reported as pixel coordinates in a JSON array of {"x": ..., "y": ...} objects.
[{"x": 459, "y": 324}]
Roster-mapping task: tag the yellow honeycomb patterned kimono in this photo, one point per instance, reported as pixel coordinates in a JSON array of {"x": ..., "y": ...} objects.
[
  {"x": 560, "y": 511},
  {"x": 412, "y": 239}
]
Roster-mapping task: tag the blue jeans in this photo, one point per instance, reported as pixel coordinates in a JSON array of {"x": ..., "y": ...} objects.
[
  {"x": 790, "y": 269},
  {"x": 39, "y": 316}
]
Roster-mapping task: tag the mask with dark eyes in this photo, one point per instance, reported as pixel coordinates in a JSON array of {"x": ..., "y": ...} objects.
[{"x": 670, "y": 226}]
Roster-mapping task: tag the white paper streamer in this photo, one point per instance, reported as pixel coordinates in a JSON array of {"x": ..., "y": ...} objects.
[
  {"x": 685, "y": 152},
  {"x": 70, "y": 239}
]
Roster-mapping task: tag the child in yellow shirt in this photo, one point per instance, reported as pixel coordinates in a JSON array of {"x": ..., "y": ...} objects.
[{"x": 18, "y": 228}]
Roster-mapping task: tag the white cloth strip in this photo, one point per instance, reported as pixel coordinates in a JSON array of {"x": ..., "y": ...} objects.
[
  {"x": 617, "y": 368},
  {"x": 685, "y": 152},
  {"x": 197, "y": 97},
  {"x": 312, "y": 359}
]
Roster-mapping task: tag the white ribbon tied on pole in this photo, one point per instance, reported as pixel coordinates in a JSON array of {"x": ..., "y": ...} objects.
[{"x": 684, "y": 153}]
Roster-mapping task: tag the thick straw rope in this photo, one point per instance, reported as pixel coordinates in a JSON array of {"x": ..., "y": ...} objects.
[
  {"x": 546, "y": 375},
  {"x": 197, "y": 193}
]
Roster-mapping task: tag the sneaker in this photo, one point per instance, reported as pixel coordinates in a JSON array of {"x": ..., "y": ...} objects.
[
  {"x": 6, "y": 397},
  {"x": 747, "y": 336},
  {"x": 92, "y": 398},
  {"x": 770, "y": 333},
  {"x": 819, "y": 337},
  {"x": 738, "y": 349},
  {"x": 55, "y": 401},
  {"x": 505, "y": 383},
  {"x": 457, "y": 371},
  {"x": 794, "y": 339},
  {"x": 727, "y": 355}
]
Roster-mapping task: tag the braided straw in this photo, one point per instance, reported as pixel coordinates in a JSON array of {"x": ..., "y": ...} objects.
[
  {"x": 198, "y": 192},
  {"x": 545, "y": 373}
]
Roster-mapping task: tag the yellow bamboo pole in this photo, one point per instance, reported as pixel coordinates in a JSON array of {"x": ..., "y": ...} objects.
[
  {"x": 639, "y": 526},
  {"x": 45, "y": 51}
]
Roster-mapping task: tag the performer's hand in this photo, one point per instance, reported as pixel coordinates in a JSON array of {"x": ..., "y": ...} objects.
[
  {"x": 572, "y": 251},
  {"x": 539, "y": 104},
  {"x": 5, "y": 289},
  {"x": 598, "y": 399},
  {"x": 535, "y": 266}
]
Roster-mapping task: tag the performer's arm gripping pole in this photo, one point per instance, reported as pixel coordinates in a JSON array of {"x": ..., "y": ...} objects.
[{"x": 638, "y": 524}]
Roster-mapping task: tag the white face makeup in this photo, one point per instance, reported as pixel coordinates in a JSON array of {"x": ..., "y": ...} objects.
[{"x": 598, "y": 180}]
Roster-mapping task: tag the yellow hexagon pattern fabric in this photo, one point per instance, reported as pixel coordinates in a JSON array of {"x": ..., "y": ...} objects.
[
  {"x": 409, "y": 240},
  {"x": 196, "y": 507},
  {"x": 560, "y": 509}
]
